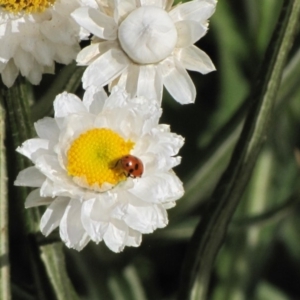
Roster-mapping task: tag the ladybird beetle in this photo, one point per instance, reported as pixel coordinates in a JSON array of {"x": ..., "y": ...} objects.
[{"x": 131, "y": 165}]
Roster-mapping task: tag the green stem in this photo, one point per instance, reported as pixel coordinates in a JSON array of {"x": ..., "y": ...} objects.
[
  {"x": 217, "y": 153},
  {"x": 21, "y": 129},
  {"x": 212, "y": 228},
  {"x": 20, "y": 125},
  {"x": 53, "y": 258},
  {"x": 5, "y": 293},
  {"x": 135, "y": 284},
  {"x": 68, "y": 79}
]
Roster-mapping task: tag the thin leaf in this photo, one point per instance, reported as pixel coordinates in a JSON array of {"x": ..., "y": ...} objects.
[
  {"x": 270, "y": 216},
  {"x": 212, "y": 229},
  {"x": 233, "y": 47},
  {"x": 247, "y": 248},
  {"x": 290, "y": 79}
]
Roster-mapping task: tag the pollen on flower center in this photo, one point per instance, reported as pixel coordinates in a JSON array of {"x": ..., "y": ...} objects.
[
  {"x": 147, "y": 35},
  {"x": 27, "y": 6},
  {"x": 94, "y": 154}
]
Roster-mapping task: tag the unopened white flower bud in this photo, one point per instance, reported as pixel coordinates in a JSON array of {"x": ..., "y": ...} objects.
[{"x": 148, "y": 35}]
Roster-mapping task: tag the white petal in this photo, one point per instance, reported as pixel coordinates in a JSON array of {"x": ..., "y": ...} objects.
[
  {"x": 49, "y": 69},
  {"x": 158, "y": 3},
  {"x": 189, "y": 32},
  {"x": 167, "y": 143},
  {"x": 34, "y": 199},
  {"x": 96, "y": 22},
  {"x": 134, "y": 238},
  {"x": 66, "y": 54},
  {"x": 53, "y": 214},
  {"x": 2, "y": 65},
  {"x": 24, "y": 61},
  {"x": 54, "y": 189},
  {"x": 35, "y": 74},
  {"x": 142, "y": 216},
  {"x": 169, "y": 205},
  {"x": 90, "y": 3},
  {"x": 50, "y": 167},
  {"x": 88, "y": 54},
  {"x": 70, "y": 228},
  {"x": 194, "y": 59},
  {"x": 197, "y": 10},
  {"x": 95, "y": 216},
  {"x": 123, "y": 8},
  {"x": 101, "y": 122},
  {"x": 136, "y": 120},
  {"x": 150, "y": 83},
  {"x": 9, "y": 45},
  {"x": 47, "y": 129},
  {"x": 31, "y": 177},
  {"x": 129, "y": 79},
  {"x": 94, "y": 99},
  {"x": 169, "y": 4},
  {"x": 108, "y": 45},
  {"x": 177, "y": 81},
  {"x": 140, "y": 80},
  {"x": 10, "y": 73},
  {"x": 30, "y": 147},
  {"x": 66, "y": 104},
  {"x": 75, "y": 125},
  {"x": 42, "y": 50},
  {"x": 50, "y": 29},
  {"x": 146, "y": 219},
  {"x": 118, "y": 98},
  {"x": 107, "y": 67},
  {"x": 116, "y": 235},
  {"x": 159, "y": 162},
  {"x": 159, "y": 188}
]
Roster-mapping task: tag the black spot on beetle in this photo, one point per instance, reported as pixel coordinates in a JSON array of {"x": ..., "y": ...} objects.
[{"x": 136, "y": 166}]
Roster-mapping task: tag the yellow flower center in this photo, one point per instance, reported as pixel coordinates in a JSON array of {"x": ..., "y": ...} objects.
[
  {"x": 93, "y": 156},
  {"x": 28, "y": 6}
]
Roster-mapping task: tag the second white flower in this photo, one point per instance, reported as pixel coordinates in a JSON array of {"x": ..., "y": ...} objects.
[{"x": 143, "y": 45}]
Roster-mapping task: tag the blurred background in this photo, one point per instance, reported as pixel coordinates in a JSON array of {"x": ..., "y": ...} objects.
[{"x": 260, "y": 258}]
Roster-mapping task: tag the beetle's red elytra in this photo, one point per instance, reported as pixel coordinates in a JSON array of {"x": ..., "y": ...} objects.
[{"x": 131, "y": 165}]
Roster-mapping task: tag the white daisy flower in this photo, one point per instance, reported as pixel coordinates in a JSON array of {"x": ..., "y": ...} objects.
[
  {"x": 34, "y": 35},
  {"x": 104, "y": 168},
  {"x": 145, "y": 44}
]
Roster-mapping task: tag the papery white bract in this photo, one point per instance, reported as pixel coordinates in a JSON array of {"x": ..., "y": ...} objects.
[
  {"x": 31, "y": 42},
  {"x": 145, "y": 44},
  {"x": 83, "y": 134}
]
